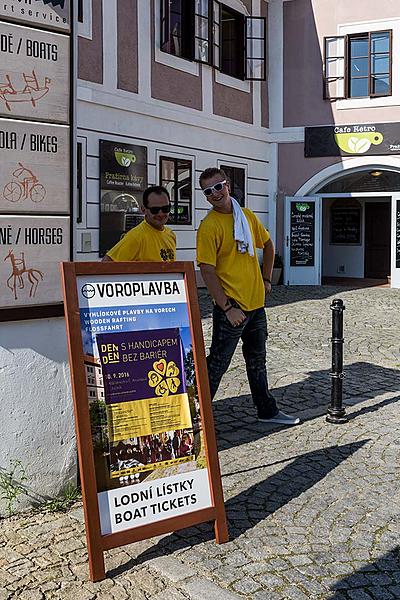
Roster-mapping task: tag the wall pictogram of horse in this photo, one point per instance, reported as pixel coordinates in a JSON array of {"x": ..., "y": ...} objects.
[{"x": 18, "y": 271}]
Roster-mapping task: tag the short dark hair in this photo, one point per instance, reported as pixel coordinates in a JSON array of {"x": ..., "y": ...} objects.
[
  {"x": 154, "y": 189},
  {"x": 211, "y": 172}
]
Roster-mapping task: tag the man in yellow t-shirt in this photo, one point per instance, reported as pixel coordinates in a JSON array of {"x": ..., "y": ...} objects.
[
  {"x": 152, "y": 240},
  {"x": 226, "y": 243}
]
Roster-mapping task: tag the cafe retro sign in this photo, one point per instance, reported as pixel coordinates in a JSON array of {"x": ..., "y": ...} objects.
[
  {"x": 352, "y": 140},
  {"x": 53, "y": 14}
]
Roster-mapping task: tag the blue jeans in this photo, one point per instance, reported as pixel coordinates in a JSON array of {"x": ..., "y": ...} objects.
[{"x": 225, "y": 338}]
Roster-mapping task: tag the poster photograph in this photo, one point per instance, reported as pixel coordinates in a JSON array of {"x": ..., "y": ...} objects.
[
  {"x": 31, "y": 249},
  {"x": 148, "y": 441},
  {"x": 123, "y": 179},
  {"x": 51, "y": 14},
  {"x": 34, "y": 167},
  {"x": 34, "y": 74}
]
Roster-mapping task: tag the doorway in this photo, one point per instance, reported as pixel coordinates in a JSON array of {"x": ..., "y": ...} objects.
[{"x": 377, "y": 240}]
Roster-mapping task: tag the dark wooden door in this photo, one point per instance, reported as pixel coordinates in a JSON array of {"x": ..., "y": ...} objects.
[{"x": 377, "y": 240}]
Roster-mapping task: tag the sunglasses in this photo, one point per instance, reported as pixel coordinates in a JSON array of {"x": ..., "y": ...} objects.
[
  {"x": 218, "y": 187},
  {"x": 156, "y": 209}
]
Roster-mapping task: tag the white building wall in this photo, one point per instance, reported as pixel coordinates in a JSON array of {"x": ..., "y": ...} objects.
[{"x": 36, "y": 407}]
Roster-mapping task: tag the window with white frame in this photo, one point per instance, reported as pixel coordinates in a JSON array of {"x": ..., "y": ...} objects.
[
  {"x": 84, "y": 18},
  {"x": 210, "y": 32},
  {"x": 237, "y": 181},
  {"x": 176, "y": 176},
  {"x": 358, "y": 65}
]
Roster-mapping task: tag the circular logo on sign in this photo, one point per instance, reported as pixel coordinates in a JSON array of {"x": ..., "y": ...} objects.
[{"x": 88, "y": 291}]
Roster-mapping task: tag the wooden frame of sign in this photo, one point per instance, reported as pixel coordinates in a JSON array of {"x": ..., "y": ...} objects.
[{"x": 96, "y": 541}]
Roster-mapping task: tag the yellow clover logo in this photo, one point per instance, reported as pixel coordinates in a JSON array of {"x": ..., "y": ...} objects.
[{"x": 164, "y": 377}]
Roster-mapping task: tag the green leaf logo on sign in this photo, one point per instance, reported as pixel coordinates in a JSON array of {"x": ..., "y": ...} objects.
[
  {"x": 302, "y": 206},
  {"x": 125, "y": 159},
  {"x": 358, "y": 143}
]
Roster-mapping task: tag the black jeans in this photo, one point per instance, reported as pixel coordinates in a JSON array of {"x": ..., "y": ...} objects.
[{"x": 225, "y": 338}]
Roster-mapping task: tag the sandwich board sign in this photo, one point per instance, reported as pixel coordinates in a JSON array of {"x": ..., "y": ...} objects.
[{"x": 144, "y": 423}]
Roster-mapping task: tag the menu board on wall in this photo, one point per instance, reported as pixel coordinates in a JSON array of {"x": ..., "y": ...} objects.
[
  {"x": 34, "y": 74},
  {"x": 302, "y": 234},
  {"x": 31, "y": 250},
  {"x": 34, "y": 167},
  {"x": 123, "y": 178},
  {"x": 398, "y": 234},
  {"x": 345, "y": 225},
  {"x": 53, "y": 14}
]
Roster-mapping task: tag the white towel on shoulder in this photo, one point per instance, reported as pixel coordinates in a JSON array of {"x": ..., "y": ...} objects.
[{"x": 241, "y": 229}]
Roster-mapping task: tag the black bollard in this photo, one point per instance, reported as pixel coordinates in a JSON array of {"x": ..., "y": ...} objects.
[{"x": 336, "y": 412}]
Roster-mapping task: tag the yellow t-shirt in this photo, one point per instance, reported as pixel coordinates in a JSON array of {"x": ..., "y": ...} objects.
[
  {"x": 239, "y": 274},
  {"x": 145, "y": 243}
]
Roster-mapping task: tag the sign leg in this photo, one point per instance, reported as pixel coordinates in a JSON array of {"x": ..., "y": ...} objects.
[
  {"x": 221, "y": 529},
  {"x": 97, "y": 569}
]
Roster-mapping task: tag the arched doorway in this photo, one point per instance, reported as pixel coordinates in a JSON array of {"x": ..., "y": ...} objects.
[{"x": 345, "y": 225}]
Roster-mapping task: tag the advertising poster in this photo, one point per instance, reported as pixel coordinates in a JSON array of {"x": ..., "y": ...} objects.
[
  {"x": 30, "y": 251},
  {"x": 123, "y": 179},
  {"x": 34, "y": 74},
  {"x": 52, "y": 14},
  {"x": 34, "y": 168},
  {"x": 147, "y": 434}
]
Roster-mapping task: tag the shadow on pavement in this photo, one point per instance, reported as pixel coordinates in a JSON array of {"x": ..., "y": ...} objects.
[
  {"x": 235, "y": 418},
  {"x": 381, "y": 578},
  {"x": 256, "y": 503},
  {"x": 283, "y": 295}
]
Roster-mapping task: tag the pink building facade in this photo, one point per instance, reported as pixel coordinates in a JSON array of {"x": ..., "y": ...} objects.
[
  {"x": 272, "y": 91},
  {"x": 335, "y": 119}
]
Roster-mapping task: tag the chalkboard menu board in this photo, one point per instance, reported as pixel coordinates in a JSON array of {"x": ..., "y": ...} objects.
[
  {"x": 345, "y": 225},
  {"x": 302, "y": 237},
  {"x": 398, "y": 234}
]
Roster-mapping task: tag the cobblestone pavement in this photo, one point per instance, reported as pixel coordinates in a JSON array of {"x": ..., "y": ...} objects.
[{"x": 313, "y": 510}]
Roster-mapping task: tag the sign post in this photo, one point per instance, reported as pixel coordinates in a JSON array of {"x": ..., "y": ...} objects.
[
  {"x": 144, "y": 423},
  {"x": 36, "y": 147}
]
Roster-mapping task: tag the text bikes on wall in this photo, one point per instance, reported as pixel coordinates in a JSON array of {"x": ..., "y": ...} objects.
[
  {"x": 50, "y": 14},
  {"x": 148, "y": 458},
  {"x": 34, "y": 167},
  {"x": 34, "y": 74},
  {"x": 302, "y": 234},
  {"x": 30, "y": 252}
]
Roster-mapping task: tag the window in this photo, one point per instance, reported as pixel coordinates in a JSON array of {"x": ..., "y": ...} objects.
[
  {"x": 209, "y": 32},
  {"x": 232, "y": 43},
  {"x": 79, "y": 180},
  {"x": 80, "y": 11},
  {"x": 176, "y": 176},
  {"x": 358, "y": 66},
  {"x": 237, "y": 179}
]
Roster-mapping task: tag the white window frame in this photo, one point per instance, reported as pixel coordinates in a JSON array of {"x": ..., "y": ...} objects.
[
  {"x": 85, "y": 29},
  {"x": 370, "y": 26},
  {"x": 175, "y": 62},
  {"x": 166, "y": 153},
  {"x": 82, "y": 225},
  {"x": 237, "y": 165}
]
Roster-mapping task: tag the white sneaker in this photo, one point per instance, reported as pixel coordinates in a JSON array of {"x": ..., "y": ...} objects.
[{"x": 281, "y": 418}]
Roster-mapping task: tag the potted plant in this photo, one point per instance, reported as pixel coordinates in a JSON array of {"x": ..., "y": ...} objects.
[{"x": 277, "y": 270}]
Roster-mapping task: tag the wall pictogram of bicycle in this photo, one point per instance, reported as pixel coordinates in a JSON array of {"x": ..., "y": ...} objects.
[{"x": 25, "y": 185}]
